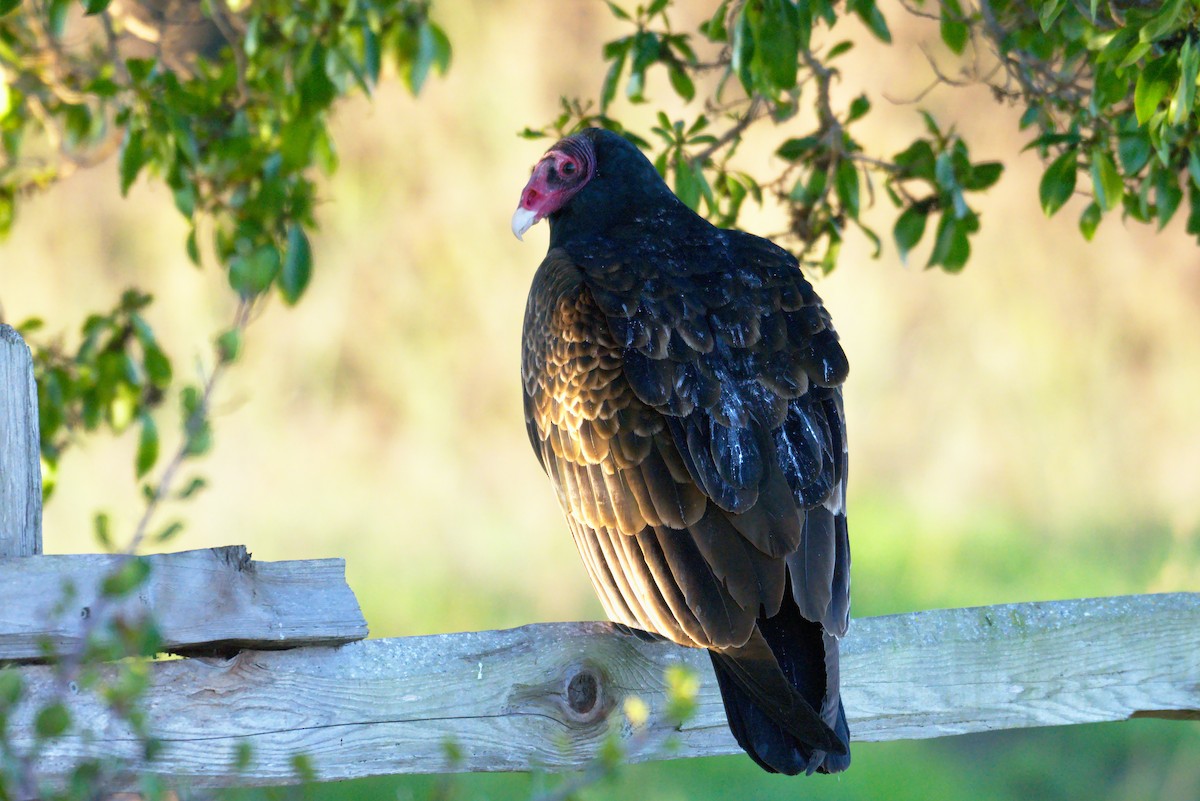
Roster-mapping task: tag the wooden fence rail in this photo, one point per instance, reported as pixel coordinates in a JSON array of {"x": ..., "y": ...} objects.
[
  {"x": 208, "y": 600},
  {"x": 547, "y": 695}
]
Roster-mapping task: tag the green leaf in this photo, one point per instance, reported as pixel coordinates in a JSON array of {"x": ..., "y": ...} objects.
[
  {"x": 133, "y": 158},
  {"x": 195, "y": 485},
  {"x": 1058, "y": 183},
  {"x": 91, "y": 7},
  {"x": 12, "y": 686},
  {"x": 302, "y": 767},
  {"x": 1193, "y": 220},
  {"x": 687, "y": 185},
  {"x": 316, "y": 91},
  {"x": 56, "y": 15},
  {"x": 1153, "y": 85},
  {"x": 982, "y": 176},
  {"x": 617, "y": 11},
  {"x": 954, "y": 30},
  {"x": 7, "y": 6},
  {"x": 681, "y": 82},
  {"x": 714, "y": 27},
  {"x": 7, "y": 212},
  {"x": 150, "y": 786},
  {"x": 251, "y": 274},
  {"x": 102, "y": 528},
  {"x": 1135, "y": 54},
  {"x": 1030, "y": 116},
  {"x": 858, "y": 108},
  {"x": 192, "y": 247},
  {"x": 1133, "y": 150},
  {"x": 158, "y": 367},
  {"x": 372, "y": 58},
  {"x": 613, "y": 77},
  {"x": 1089, "y": 220},
  {"x": 297, "y": 265},
  {"x": 909, "y": 229},
  {"x": 1106, "y": 181},
  {"x": 875, "y": 22},
  {"x": 846, "y": 186},
  {"x": 795, "y": 149},
  {"x": 243, "y": 753},
  {"x": 199, "y": 439},
  {"x": 147, "y": 450},
  {"x": 52, "y": 720},
  {"x": 131, "y": 574},
  {"x": 777, "y": 45},
  {"x": 229, "y": 346},
  {"x": 1167, "y": 195},
  {"x": 838, "y": 49},
  {"x": 442, "y": 50},
  {"x": 1185, "y": 91},
  {"x": 951, "y": 249},
  {"x": 917, "y": 160},
  {"x": 1163, "y": 22},
  {"x": 646, "y": 50},
  {"x": 185, "y": 199},
  {"x": 743, "y": 49},
  {"x": 168, "y": 532},
  {"x": 1048, "y": 13}
]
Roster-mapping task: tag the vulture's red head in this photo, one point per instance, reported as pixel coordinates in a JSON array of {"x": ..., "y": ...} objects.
[
  {"x": 562, "y": 172},
  {"x": 588, "y": 183}
]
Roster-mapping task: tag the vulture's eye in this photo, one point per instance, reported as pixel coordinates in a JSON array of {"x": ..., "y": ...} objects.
[{"x": 568, "y": 168}]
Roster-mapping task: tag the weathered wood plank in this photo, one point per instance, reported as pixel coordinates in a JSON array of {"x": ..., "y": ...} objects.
[
  {"x": 210, "y": 599},
  {"x": 20, "y": 462},
  {"x": 390, "y": 706}
]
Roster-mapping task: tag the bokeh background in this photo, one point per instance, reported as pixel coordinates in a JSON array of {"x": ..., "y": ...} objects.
[{"x": 1029, "y": 429}]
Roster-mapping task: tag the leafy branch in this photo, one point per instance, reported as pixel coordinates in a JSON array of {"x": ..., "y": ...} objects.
[
  {"x": 230, "y": 109},
  {"x": 1110, "y": 88}
]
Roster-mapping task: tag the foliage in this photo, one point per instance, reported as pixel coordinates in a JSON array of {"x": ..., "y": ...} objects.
[
  {"x": 1109, "y": 90},
  {"x": 229, "y": 107},
  {"x": 110, "y": 668}
]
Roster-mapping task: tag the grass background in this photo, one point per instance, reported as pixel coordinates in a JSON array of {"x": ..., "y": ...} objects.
[{"x": 1025, "y": 430}]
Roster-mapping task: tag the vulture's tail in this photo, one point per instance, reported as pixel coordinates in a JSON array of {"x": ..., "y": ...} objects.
[{"x": 781, "y": 695}]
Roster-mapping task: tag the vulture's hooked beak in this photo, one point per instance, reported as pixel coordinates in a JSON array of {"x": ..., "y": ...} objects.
[{"x": 522, "y": 220}]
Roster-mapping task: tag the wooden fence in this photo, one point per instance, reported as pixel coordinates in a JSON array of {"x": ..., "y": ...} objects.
[{"x": 277, "y": 660}]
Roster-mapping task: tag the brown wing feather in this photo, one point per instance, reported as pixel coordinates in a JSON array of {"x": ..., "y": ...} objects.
[{"x": 663, "y": 556}]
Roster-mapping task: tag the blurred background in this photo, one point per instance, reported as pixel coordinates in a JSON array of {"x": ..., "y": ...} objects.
[{"x": 1027, "y": 430}]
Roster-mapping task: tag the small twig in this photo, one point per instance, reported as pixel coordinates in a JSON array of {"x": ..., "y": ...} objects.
[
  {"x": 753, "y": 112},
  {"x": 53, "y": 56},
  {"x": 221, "y": 18},
  {"x": 916, "y": 12},
  {"x": 110, "y": 36},
  {"x": 917, "y": 98},
  {"x": 824, "y": 77},
  {"x": 71, "y": 662},
  {"x": 197, "y": 418},
  {"x": 870, "y": 161}
]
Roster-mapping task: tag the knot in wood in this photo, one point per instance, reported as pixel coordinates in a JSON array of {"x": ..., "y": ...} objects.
[{"x": 584, "y": 693}]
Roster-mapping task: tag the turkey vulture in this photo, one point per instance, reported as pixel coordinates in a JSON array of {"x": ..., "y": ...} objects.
[{"x": 682, "y": 392}]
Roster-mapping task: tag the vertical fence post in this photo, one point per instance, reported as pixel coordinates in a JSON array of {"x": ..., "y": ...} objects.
[{"x": 20, "y": 463}]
